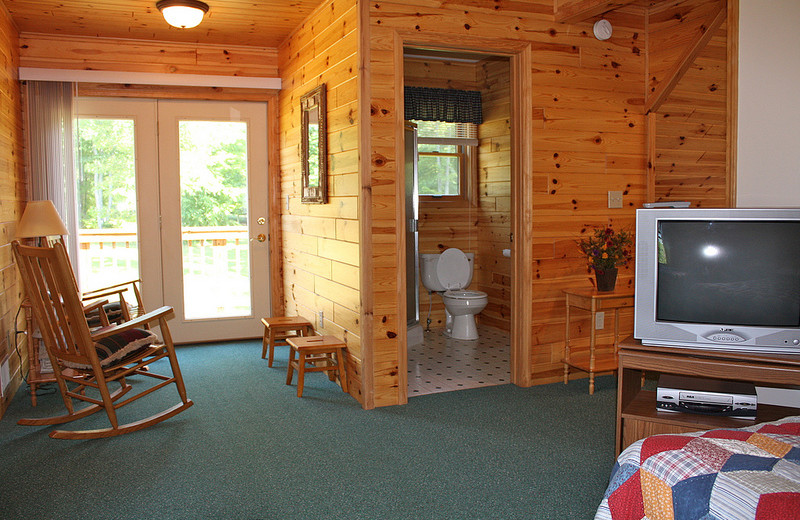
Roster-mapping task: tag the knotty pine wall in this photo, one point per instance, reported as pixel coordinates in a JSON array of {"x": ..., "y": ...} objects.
[
  {"x": 12, "y": 200},
  {"x": 691, "y": 126},
  {"x": 115, "y": 54},
  {"x": 589, "y": 137},
  {"x": 493, "y": 273},
  {"x": 321, "y": 241}
]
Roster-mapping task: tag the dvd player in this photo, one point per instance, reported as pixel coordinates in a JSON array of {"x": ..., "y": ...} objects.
[{"x": 706, "y": 396}]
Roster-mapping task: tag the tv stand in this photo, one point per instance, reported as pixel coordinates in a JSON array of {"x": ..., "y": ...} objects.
[{"x": 637, "y": 415}]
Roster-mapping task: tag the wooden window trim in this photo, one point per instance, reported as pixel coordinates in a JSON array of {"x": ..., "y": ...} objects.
[{"x": 467, "y": 178}]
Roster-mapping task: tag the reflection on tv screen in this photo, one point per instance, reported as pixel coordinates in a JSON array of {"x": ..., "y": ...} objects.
[{"x": 729, "y": 273}]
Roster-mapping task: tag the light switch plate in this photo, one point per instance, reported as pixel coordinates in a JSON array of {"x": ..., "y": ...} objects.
[{"x": 614, "y": 199}]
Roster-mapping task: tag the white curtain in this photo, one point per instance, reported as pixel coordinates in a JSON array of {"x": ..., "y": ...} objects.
[{"x": 51, "y": 156}]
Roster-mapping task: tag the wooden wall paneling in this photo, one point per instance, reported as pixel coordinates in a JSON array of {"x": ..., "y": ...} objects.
[
  {"x": 588, "y": 135},
  {"x": 116, "y": 54},
  {"x": 658, "y": 93},
  {"x": 573, "y": 11},
  {"x": 691, "y": 138},
  {"x": 493, "y": 270},
  {"x": 13, "y": 194},
  {"x": 732, "y": 75},
  {"x": 322, "y": 258}
]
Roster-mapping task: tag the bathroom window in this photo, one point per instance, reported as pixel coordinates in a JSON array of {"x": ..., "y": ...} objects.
[{"x": 446, "y": 164}]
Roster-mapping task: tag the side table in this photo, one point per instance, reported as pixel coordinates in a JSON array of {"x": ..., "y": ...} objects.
[
  {"x": 593, "y": 301},
  {"x": 36, "y": 376}
]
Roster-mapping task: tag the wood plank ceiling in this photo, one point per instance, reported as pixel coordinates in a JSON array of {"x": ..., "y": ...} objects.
[{"x": 263, "y": 23}]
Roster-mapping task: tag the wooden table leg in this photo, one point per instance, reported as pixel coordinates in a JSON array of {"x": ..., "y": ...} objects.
[
  {"x": 301, "y": 372},
  {"x": 290, "y": 369},
  {"x": 592, "y": 339},
  {"x": 342, "y": 369},
  {"x": 264, "y": 341},
  {"x": 566, "y": 346}
]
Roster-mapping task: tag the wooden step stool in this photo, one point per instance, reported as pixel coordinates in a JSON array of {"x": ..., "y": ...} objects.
[
  {"x": 278, "y": 329},
  {"x": 327, "y": 354}
]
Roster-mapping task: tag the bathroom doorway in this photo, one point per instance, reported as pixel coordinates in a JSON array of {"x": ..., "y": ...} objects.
[{"x": 471, "y": 211}]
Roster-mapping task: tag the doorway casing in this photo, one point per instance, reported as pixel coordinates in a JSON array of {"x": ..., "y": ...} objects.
[{"x": 519, "y": 54}]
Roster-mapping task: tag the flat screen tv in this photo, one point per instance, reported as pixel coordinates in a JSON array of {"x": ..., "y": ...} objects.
[{"x": 721, "y": 279}]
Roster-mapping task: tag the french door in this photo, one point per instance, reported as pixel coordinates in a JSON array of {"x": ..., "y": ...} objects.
[{"x": 183, "y": 185}]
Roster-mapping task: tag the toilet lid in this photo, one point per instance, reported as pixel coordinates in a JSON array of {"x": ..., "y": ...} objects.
[{"x": 453, "y": 269}]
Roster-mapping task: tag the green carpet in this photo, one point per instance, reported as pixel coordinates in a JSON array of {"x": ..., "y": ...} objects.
[{"x": 250, "y": 449}]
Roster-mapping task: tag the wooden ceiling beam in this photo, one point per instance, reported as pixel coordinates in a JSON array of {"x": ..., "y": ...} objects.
[
  {"x": 657, "y": 97},
  {"x": 575, "y": 11}
]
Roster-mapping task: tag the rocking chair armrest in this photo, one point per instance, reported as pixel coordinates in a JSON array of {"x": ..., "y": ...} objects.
[
  {"x": 94, "y": 292},
  {"x": 95, "y": 305},
  {"x": 165, "y": 312},
  {"x": 101, "y": 293}
]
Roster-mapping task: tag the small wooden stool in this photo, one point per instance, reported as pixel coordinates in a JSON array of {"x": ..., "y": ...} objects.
[
  {"x": 279, "y": 329},
  {"x": 326, "y": 350}
]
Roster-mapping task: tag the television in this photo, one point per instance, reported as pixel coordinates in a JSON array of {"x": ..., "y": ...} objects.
[{"x": 718, "y": 279}]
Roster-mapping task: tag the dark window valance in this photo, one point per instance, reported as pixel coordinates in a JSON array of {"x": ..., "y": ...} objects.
[{"x": 440, "y": 104}]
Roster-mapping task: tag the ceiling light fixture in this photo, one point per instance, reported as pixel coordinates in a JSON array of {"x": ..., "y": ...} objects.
[{"x": 183, "y": 14}]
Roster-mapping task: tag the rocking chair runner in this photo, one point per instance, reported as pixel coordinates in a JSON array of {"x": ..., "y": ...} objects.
[{"x": 84, "y": 359}]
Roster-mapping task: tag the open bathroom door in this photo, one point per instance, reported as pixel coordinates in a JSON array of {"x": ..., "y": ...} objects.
[{"x": 412, "y": 239}]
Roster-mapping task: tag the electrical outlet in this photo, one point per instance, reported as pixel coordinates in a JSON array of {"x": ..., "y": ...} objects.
[
  {"x": 320, "y": 320},
  {"x": 599, "y": 320},
  {"x": 614, "y": 199}
]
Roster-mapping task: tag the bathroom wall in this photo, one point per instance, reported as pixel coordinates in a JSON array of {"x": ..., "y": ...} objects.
[
  {"x": 484, "y": 226},
  {"x": 493, "y": 270}
]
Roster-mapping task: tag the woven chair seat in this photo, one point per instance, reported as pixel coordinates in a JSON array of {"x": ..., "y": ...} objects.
[{"x": 119, "y": 346}]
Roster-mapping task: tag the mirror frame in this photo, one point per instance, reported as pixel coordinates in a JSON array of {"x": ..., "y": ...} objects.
[{"x": 314, "y": 100}]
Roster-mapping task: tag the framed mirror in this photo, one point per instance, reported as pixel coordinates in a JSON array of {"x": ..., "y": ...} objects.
[{"x": 313, "y": 148}]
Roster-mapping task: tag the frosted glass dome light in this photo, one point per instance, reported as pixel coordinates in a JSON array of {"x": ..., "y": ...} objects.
[{"x": 183, "y": 14}]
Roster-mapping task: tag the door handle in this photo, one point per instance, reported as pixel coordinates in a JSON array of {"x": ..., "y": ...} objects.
[{"x": 261, "y": 237}]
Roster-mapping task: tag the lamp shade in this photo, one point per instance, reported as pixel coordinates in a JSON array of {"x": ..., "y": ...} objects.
[
  {"x": 40, "y": 219},
  {"x": 183, "y": 14}
]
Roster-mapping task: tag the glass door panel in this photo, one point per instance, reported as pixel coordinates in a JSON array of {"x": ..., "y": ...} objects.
[
  {"x": 214, "y": 216},
  {"x": 108, "y": 244}
]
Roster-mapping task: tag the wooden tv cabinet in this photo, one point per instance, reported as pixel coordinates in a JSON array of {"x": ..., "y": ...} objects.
[{"x": 637, "y": 415}]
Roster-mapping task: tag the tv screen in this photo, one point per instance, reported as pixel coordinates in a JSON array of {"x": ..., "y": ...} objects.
[{"x": 729, "y": 272}]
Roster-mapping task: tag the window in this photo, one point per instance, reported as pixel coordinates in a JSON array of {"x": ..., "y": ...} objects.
[{"x": 446, "y": 160}]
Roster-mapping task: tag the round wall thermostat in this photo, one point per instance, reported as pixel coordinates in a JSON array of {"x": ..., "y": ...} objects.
[{"x": 602, "y": 29}]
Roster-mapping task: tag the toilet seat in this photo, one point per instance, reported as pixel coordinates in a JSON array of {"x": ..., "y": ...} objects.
[
  {"x": 464, "y": 295},
  {"x": 453, "y": 269}
]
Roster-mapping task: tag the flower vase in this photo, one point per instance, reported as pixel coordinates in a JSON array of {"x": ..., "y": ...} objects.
[{"x": 606, "y": 279}]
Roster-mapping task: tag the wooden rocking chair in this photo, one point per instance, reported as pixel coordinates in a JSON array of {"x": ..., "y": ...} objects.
[{"x": 83, "y": 359}]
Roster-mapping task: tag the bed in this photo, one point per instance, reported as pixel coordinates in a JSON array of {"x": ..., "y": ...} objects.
[{"x": 744, "y": 473}]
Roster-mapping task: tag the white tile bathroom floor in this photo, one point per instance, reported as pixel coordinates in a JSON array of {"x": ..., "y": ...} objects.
[{"x": 441, "y": 364}]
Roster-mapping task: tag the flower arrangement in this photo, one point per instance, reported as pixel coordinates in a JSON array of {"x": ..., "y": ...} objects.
[{"x": 606, "y": 249}]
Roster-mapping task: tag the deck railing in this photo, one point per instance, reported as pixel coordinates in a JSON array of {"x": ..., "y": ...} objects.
[{"x": 107, "y": 256}]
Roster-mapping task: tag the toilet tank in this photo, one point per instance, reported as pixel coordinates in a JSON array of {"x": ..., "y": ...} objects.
[
  {"x": 428, "y": 263},
  {"x": 427, "y": 271}
]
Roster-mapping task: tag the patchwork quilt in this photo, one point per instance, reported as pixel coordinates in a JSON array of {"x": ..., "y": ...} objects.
[{"x": 744, "y": 473}]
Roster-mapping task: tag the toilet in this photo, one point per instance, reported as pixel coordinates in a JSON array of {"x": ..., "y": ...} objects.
[{"x": 449, "y": 274}]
